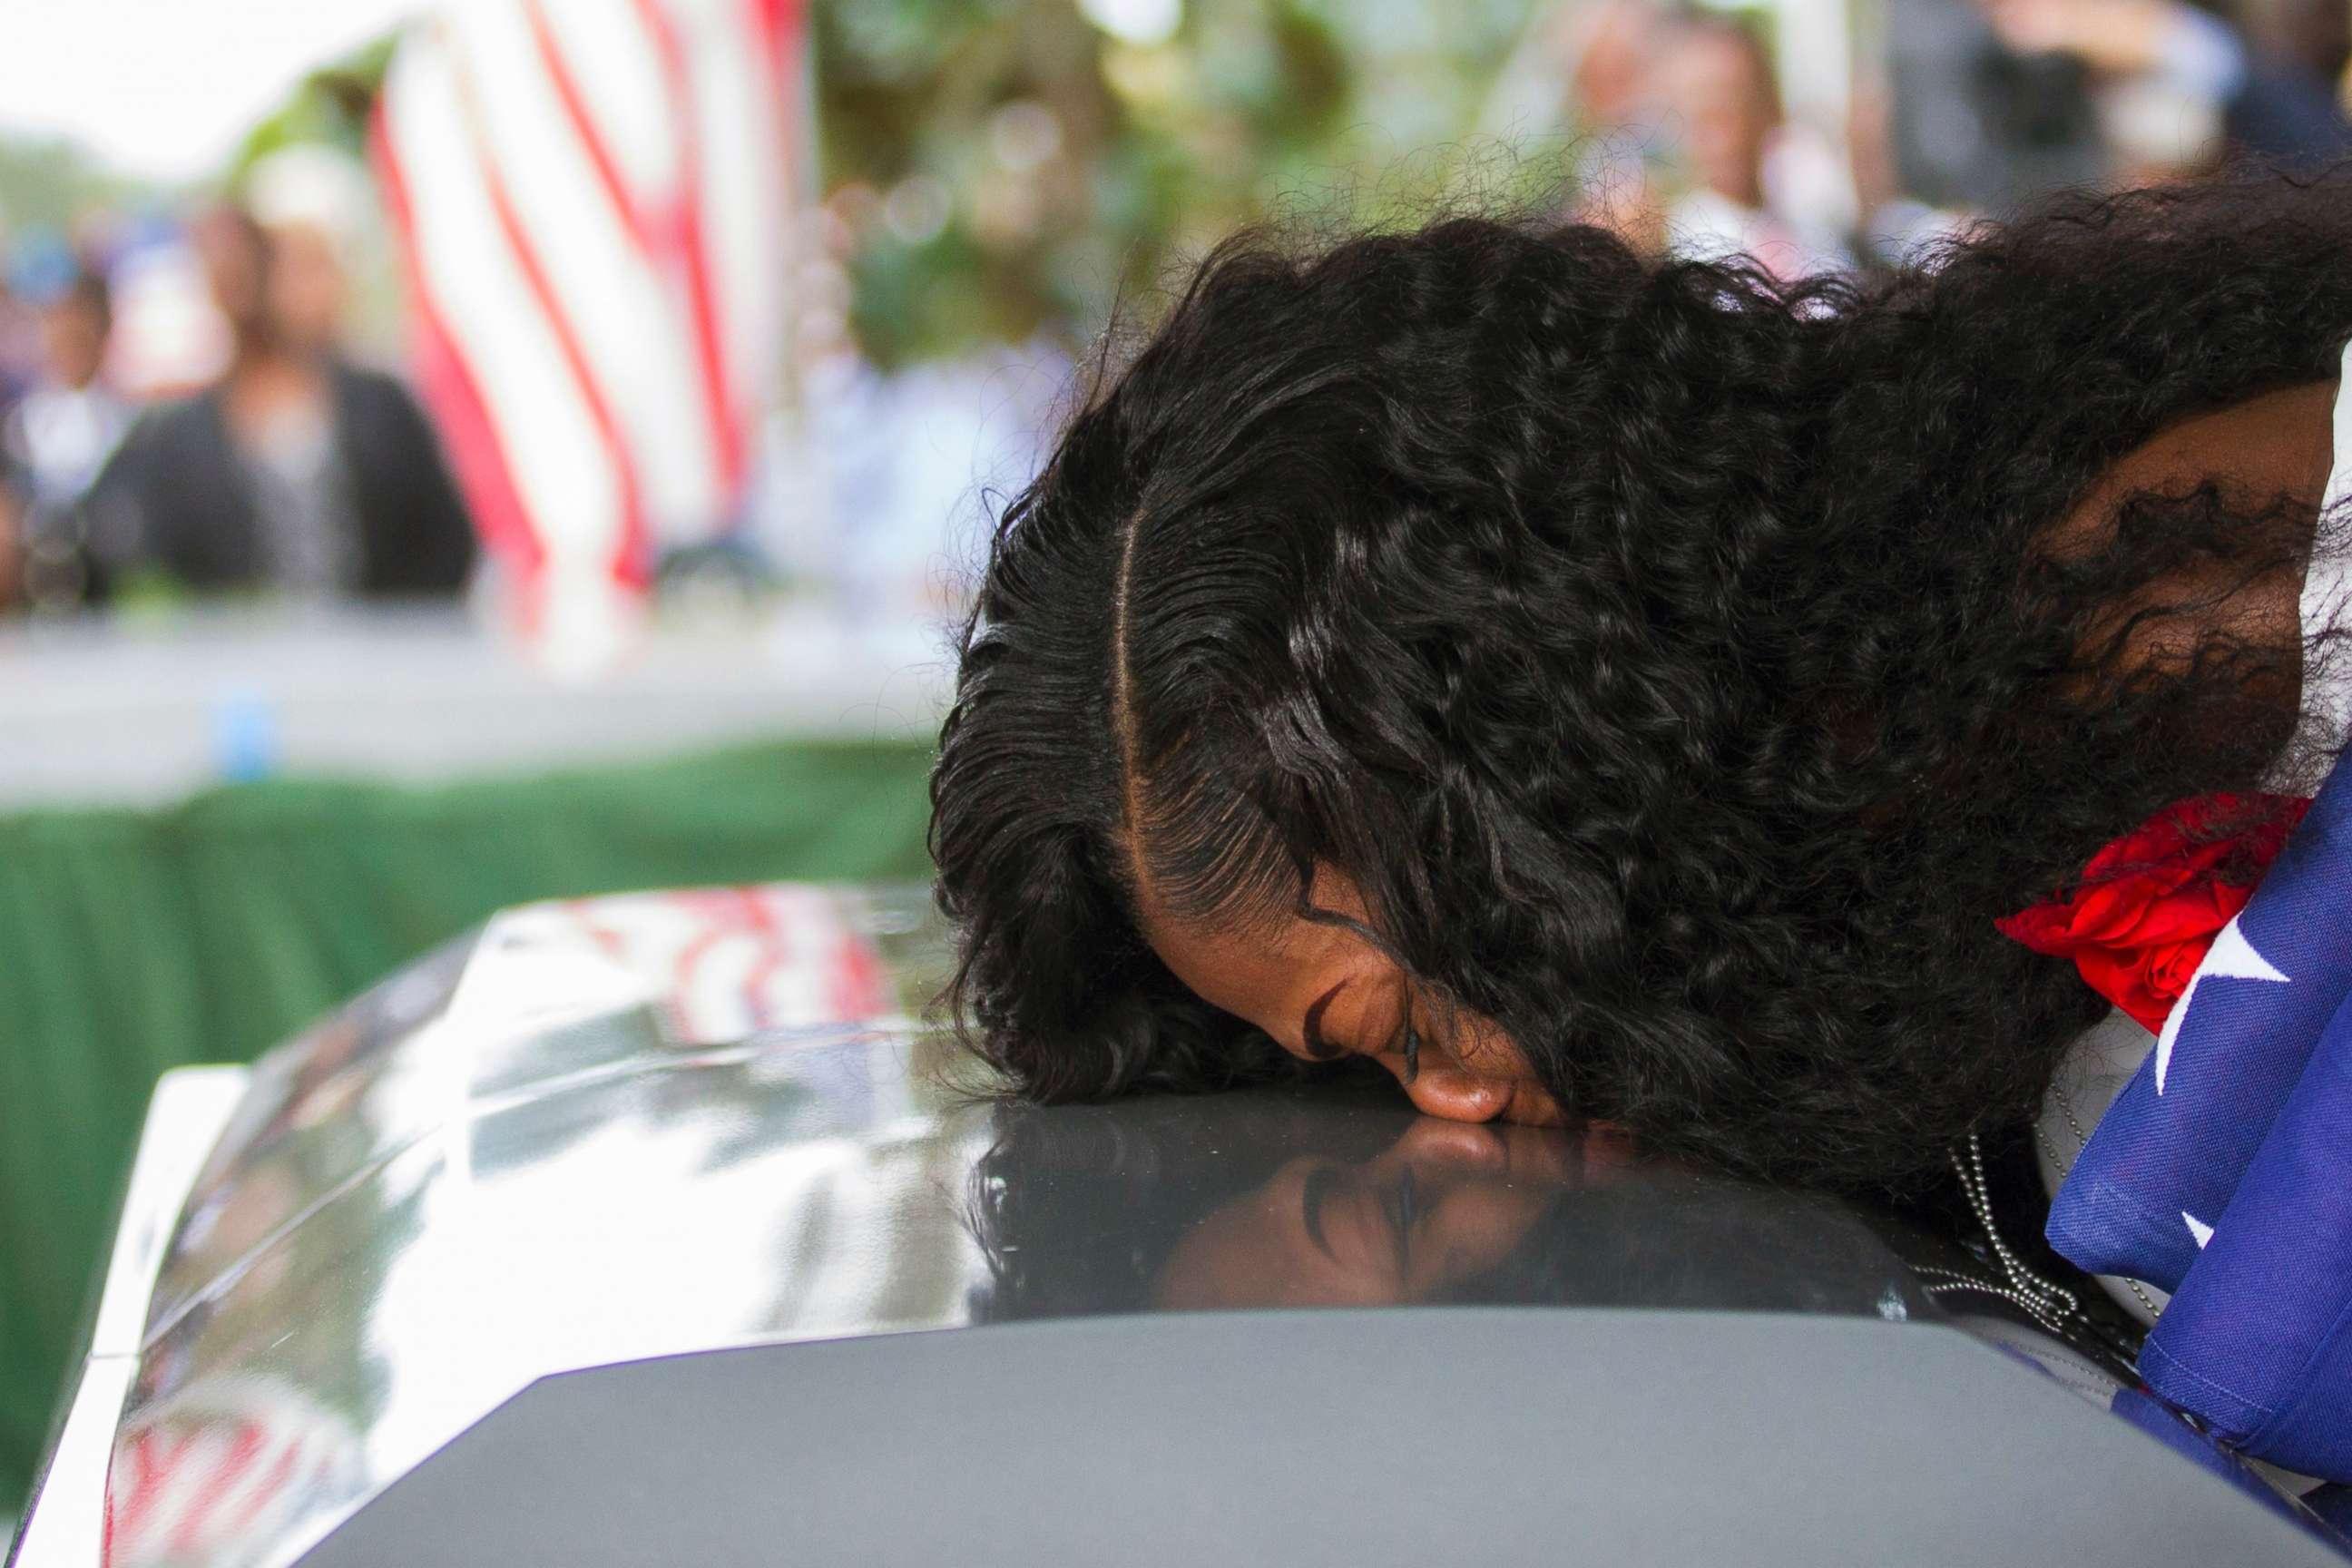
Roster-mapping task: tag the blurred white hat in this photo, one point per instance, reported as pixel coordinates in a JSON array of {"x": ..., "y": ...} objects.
[{"x": 310, "y": 186}]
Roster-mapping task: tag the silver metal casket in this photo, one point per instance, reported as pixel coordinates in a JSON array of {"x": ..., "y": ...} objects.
[{"x": 656, "y": 1229}]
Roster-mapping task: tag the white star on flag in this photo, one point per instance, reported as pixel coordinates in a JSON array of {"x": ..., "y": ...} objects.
[
  {"x": 2197, "y": 1228},
  {"x": 2232, "y": 957}
]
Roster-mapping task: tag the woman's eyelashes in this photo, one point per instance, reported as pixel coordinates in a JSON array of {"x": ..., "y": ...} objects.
[
  {"x": 1405, "y": 1042},
  {"x": 1312, "y": 1196},
  {"x": 1310, "y": 1032},
  {"x": 1397, "y": 1205}
]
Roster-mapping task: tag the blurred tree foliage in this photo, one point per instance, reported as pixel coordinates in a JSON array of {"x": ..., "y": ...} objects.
[
  {"x": 48, "y": 184},
  {"x": 330, "y": 104},
  {"x": 1002, "y": 168}
]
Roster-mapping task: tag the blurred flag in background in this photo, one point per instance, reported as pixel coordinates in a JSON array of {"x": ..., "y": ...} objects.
[{"x": 591, "y": 201}]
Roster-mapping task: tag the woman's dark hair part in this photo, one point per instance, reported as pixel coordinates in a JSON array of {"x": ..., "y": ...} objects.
[{"x": 1676, "y": 660}]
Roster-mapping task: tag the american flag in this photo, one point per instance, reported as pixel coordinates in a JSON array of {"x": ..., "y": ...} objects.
[
  {"x": 590, "y": 202},
  {"x": 2221, "y": 1172}
]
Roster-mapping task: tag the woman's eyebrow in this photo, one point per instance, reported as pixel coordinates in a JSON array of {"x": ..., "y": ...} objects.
[{"x": 1311, "y": 1031}]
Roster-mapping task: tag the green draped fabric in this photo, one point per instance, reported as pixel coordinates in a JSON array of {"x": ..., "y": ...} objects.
[{"x": 132, "y": 941}]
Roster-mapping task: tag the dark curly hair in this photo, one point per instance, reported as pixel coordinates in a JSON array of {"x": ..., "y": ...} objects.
[{"x": 1677, "y": 662}]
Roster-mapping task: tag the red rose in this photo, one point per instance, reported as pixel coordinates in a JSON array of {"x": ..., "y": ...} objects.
[{"x": 2150, "y": 904}]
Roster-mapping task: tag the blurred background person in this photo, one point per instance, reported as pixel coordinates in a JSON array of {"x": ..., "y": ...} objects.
[
  {"x": 1752, "y": 187},
  {"x": 54, "y": 441},
  {"x": 2314, "y": 36},
  {"x": 1971, "y": 123},
  {"x": 18, "y": 354},
  {"x": 300, "y": 472},
  {"x": 311, "y": 204},
  {"x": 2178, "y": 87},
  {"x": 1607, "y": 55},
  {"x": 1675, "y": 135},
  {"x": 1987, "y": 101}
]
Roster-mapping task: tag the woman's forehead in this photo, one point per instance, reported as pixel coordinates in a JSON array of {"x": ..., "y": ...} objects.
[{"x": 1269, "y": 966}]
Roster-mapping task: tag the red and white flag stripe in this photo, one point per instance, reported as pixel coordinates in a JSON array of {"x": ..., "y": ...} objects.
[{"x": 592, "y": 202}]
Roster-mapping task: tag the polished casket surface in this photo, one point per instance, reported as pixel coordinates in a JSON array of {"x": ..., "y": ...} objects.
[{"x": 609, "y": 1131}]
